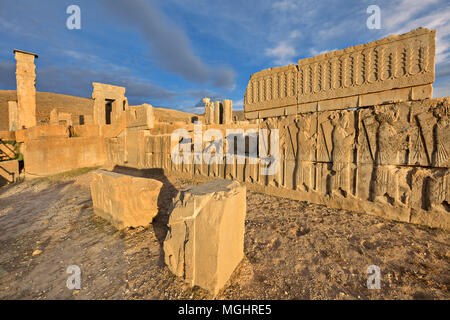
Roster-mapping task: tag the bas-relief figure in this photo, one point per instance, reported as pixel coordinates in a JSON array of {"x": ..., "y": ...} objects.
[
  {"x": 343, "y": 144},
  {"x": 305, "y": 154},
  {"x": 391, "y": 140},
  {"x": 441, "y": 135},
  {"x": 439, "y": 184}
]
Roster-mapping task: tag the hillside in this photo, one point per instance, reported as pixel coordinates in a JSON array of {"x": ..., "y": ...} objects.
[
  {"x": 172, "y": 115},
  {"x": 47, "y": 101}
]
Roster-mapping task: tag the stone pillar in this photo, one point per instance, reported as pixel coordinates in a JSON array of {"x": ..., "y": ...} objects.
[
  {"x": 13, "y": 116},
  {"x": 99, "y": 104},
  {"x": 217, "y": 105},
  {"x": 227, "y": 111},
  {"x": 26, "y": 89},
  {"x": 54, "y": 117},
  {"x": 150, "y": 118}
]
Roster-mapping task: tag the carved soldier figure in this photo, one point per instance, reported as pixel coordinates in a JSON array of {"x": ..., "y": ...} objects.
[
  {"x": 439, "y": 185},
  {"x": 306, "y": 144},
  {"x": 390, "y": 140},
  {"x": 343, "y": 140},
  {"x": 441, "y": 130}
]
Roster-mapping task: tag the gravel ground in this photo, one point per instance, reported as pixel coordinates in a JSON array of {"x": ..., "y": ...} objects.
[{"x": 293, "y": 250}]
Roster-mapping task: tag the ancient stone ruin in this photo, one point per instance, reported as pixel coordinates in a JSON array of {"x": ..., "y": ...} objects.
[
  {"x": 357, "y": 130},
  {"x": 109, "y": 103},
  {"x": 393, "y": 69},
  {"x": 123, "y": 200},
  {"x": 26, "y": 91},
  {"x": 353, "y": 129},
  {"x": 218, "y": 112},
  {"x": 205, "y": 241}
]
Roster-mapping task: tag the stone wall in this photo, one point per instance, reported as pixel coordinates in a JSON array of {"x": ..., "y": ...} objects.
[
  {"x": 391, "y": 160},
  {"x": 51, "y": 155},
  {"x": 354, "y": 129},
  {"x": 393, "y": 69}
]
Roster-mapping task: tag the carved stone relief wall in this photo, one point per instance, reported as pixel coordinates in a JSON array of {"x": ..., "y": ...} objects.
[
  {"x": 396, "y": 68},
  {"x": 385, "y": 159}
]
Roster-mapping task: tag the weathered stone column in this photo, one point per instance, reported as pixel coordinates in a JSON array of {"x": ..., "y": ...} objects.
[
  {"x": 26, "y": 89},
  {"x": 217, "y": 107},
  {"x": 227, "y": 111},
  {"x": 209, "y": 114},
  {"x": 12, "y": 111}
]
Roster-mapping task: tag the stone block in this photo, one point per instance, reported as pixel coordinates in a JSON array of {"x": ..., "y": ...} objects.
[
  {"x": 9, "y": 171},
  {"x": 47, "y": 131},
  {"x": 307, "y": 107},
  {"x": 339, "y": 103},
  {"x": 251, "y": 115},
  {"x": 422, "y": 92},
  {"x": 205, "y": 241},
  {"x": 52, "y": 155},
  {"x": 384, "y": 97},
  {"x": 140, "y": 116},
  {"x": 123, "y": 200}
]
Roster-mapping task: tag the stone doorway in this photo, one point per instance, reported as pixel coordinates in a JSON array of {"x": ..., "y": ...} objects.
[{"x": 108, "y": 111}]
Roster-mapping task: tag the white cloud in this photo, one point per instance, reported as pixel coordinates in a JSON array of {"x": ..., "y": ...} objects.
[
  {"x": 285, "y": 5},
  {"x": 409, "y": 15},
  {"x": 295, "y": 34},
  {"x": 402, "y": 12},
  {"x": 238, "y": 104},
  {"x": 283, "y": 53}
]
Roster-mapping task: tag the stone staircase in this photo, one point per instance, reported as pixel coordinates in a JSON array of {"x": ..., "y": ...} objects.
[{"x": 7, "y": 151}]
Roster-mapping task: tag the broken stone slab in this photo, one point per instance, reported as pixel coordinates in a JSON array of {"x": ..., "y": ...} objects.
[
  {"x": 124, "y": 200},
  {"x": 205, "y": 241}
]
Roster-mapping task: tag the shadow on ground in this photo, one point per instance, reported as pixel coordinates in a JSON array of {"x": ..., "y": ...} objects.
[{"x": 168, "y": 192}]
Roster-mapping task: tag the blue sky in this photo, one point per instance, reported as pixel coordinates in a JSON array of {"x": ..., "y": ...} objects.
[{"x": 172, "y": 53}]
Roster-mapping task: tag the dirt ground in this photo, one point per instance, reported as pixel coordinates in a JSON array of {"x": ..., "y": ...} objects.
[{"x": 294, "y": 250}]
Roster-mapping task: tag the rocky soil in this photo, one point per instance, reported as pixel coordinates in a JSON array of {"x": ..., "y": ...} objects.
[{"x": 294, "y": 250}]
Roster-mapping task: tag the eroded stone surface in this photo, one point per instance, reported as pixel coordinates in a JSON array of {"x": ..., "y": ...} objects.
[
  {"x": 26, "y": 89},
  {"x": 396, "y": 68},
  {"x": 205, "y": 241},
  {"x": 123, "y": 200}
]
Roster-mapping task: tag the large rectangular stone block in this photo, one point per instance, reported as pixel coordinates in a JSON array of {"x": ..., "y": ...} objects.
[
  {"x": 54, "y": 155},
  {"x": 123, "y": 200},
  {"x": 205, "y": 241},
  {"x": 396, "y": 68}
]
